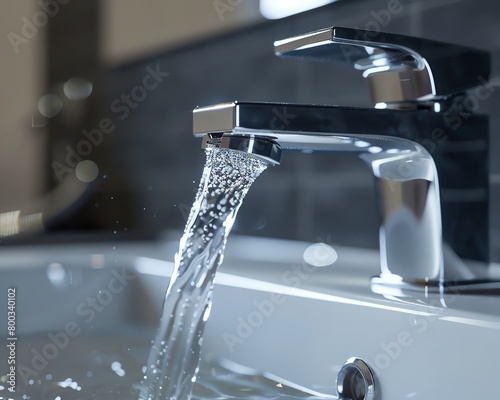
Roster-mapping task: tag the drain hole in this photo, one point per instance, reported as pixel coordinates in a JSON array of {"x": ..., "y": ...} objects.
[
  {"x": 353, "y": 385},
  {"x": 355, "y": 381}
]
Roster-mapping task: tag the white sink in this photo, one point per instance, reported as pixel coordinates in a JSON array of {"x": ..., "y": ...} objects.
[{"x": 272, "y": 312}]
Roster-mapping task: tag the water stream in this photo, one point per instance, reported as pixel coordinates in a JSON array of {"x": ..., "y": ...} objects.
[
  {"x": 175, "y": 355},
  {"x": 111, "y": 368}
]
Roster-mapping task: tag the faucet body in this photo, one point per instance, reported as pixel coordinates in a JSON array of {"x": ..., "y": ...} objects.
[{"x": 410, "y": 140}]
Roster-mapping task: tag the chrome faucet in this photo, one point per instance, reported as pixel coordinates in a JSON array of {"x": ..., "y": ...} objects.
[{"x": 407, "y": 139}]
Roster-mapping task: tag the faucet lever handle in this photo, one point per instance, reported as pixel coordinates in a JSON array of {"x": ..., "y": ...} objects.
[{"x": 400, "y": 68}]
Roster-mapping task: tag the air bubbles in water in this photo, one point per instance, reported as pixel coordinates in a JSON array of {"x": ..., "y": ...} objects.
[
  {"x": 96, "y": 377},
  {"x": 226, "y": 179},
  {"x": 117, "y": 368}
]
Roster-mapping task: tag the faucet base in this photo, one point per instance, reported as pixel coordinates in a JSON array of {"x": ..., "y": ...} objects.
[
  {"x": 476, "y": 287},
  {"x": 404, "y": 161}
]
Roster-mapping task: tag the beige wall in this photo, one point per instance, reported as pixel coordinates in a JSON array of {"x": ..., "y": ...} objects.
[
  {"x": 132, "y": 28},
  {"x": 21, "y": 75}
]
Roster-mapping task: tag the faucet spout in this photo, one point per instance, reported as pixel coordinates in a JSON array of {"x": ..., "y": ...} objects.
[
  {"x": 402, "y": 71},
  {"x": 417, "y": 89},
  {"x": 405, "y": 174}
]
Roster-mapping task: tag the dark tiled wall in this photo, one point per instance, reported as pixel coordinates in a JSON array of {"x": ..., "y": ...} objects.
[{"x": 152, "y": 160}]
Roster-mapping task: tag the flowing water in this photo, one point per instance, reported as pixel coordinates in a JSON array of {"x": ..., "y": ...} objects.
[
  {"x": 173, "y": 361},
  {"x": 109, "y": 369}
]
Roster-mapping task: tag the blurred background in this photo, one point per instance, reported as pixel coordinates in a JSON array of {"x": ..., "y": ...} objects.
[{"x": 97, "y": 100}]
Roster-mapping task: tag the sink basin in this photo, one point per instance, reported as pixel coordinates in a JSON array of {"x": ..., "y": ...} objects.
[{"x": 273, "y": 311}]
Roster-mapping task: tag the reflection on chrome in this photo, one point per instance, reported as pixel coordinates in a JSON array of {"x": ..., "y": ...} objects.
[
  {"x": 405, "y": 175},
  {"x": 374, "y": 149},
  {"x": 361, "y": 143}
]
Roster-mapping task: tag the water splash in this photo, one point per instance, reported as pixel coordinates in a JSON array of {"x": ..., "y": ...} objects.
[
  {"x": 95, "y": 360},
  {"x": 109, "y": 369},
  {"x": 175, "y": 355},
  {"x": 225, "y": 380}
]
